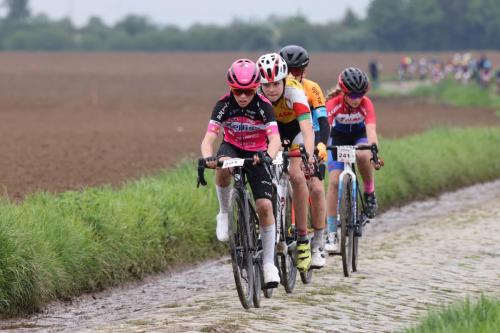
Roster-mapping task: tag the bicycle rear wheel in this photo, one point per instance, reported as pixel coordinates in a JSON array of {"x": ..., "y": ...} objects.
[
  {"x": 346, "y": 227},
  {"x": 240, "y": 248},
  {"x": 258, "y": 283}
]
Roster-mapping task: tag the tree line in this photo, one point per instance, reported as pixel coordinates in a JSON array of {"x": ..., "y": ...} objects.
[{"x": 390, "y": 25}]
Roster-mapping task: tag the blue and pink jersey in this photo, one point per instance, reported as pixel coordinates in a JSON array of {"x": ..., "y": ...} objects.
[{"x": 246, "y": 128}]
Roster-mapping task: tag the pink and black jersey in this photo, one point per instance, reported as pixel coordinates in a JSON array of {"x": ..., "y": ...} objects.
[
  {"x": 246, "y": 128},
  {"x": 346, "y": 119}
]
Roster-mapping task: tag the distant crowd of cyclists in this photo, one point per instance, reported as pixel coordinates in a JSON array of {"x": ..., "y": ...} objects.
[
  {"x": 463, "y": 67},
  {"x": 272, "y": 102}
]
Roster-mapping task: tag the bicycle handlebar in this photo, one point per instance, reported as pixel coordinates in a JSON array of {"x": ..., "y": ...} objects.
[
  {"x": 202, "y": 165},
  {"x": 377, "y": 162}
]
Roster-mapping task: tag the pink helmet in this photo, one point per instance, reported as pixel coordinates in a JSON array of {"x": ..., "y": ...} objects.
[{"x": 243, "y": 74}]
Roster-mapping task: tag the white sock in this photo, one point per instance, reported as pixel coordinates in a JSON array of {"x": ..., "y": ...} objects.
[
  {"x": 268, "y": 237},
  {"x": 223, "y": 194},
  {"x": 319, "y": 238}
]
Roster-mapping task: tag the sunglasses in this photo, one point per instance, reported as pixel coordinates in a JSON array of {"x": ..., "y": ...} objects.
[
  {"x": 355, "y": 96},
  {"x": 246, "y": 92}
]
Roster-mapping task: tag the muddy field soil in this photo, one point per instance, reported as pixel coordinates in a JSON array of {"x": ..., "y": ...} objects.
[{"x": 75, "y": 120}]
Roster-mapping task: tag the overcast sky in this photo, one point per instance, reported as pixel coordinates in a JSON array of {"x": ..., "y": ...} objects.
[{"x": 183, "y": 13}]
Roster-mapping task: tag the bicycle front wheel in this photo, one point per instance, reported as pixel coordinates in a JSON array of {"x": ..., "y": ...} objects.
[
  {"x": 289, "y": 237},
  {"x": 358, "y": 224},
  {"x": 240, "y": 247},
  {"x": 346, "y": 227}
]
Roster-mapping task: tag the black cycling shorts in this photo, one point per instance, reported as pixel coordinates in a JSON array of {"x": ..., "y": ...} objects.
[{"x": 257, "y": 175}]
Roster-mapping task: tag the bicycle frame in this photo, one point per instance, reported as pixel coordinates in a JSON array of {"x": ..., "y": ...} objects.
[
  {"x": 281, "y": 183},
  {"x": 240, "y": 186}
]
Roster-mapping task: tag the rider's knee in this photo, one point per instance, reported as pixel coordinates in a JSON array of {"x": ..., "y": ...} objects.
[
  {"x": 264, "y": 207},
  {"x": 297, "y": 177},
  {"x": 333, "y": 181},
  {"x": 316, "y": 189},
  {"x": 222, "y": 177}
]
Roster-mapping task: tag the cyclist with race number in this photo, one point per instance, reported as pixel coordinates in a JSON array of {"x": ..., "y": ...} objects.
[
  {"x": 294, "y": 122},
  {"x": 351, "y": 115},
  {"x": 250, "y": 130},
  {"x": 297, "y": 60}
]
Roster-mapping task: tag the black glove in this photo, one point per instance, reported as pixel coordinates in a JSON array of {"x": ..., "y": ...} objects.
[{"x": 264, "y": 157}]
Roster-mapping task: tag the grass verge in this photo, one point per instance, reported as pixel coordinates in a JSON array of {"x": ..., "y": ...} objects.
[
  {"x": 450, "y": 92},
  {"x": 481, "y": 316},
  {"x": 58, "y": 246}
]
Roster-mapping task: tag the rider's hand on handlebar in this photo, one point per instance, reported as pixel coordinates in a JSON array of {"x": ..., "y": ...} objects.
[
  {"x": 378, "y": 165},
  {"x": 309, "y": 169},
  {"x": 262, "y": 157},
  {"x": 211, "y": 162},
  {"x": 322, "y": 154}
]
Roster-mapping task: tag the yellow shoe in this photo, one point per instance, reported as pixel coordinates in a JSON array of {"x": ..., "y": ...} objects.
[{"x": 303, "y": 256}]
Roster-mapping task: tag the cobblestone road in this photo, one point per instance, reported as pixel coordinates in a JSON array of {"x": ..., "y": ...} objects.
[{"x": 413, "y": 258}]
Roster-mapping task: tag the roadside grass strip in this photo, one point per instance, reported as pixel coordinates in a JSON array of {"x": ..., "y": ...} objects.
[
  {"x": 437, "y": 161},
  {"x": 480, "y": 316},
  {"x": 60, "y": 246},
  {"x": 451, "y": 92}
]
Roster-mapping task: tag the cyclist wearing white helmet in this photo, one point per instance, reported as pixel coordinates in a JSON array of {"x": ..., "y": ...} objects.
[{"x": 294, "y": 122}]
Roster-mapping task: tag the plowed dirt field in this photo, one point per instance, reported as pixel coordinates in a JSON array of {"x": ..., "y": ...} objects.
[{"x": 73, "y": 120}]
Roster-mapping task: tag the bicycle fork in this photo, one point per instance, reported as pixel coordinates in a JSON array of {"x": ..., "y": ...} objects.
[
  {"x": 281, "y": 246},
  {"x": 354, "y": 184}
]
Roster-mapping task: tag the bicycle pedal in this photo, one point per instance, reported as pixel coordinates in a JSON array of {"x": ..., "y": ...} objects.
[{"x": 316, "y": 267}]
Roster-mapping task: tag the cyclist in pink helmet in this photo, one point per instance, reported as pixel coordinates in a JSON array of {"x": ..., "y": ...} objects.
[
  {"x": 243, "y": 74},
  {"x": 249, "y": 129}
]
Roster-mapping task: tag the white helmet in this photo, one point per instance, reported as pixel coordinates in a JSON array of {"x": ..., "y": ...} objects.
[{"x": 272, "y": 68}]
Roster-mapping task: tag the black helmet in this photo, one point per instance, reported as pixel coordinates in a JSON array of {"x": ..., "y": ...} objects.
[
  {"x": 353, "y": 81},
  {"x": 295, "y": 56}
]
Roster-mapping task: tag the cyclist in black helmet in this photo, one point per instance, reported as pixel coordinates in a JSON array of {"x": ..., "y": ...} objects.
[
  {"x": 353, "y": 121},
  {"x": 297, "y": 59}
]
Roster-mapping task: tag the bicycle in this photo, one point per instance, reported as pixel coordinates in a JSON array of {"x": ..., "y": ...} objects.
[
  {"x": 244, "y": 241},
  {"x": 285, "y": 219},
  {"x": 286, "y": 238},
  {"x": 352, "y": 219}
]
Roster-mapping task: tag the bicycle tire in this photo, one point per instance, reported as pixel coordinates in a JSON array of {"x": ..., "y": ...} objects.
[
  {"x": 346, "y": 229},
  {"x": 288, "y": 261},
  {"x": 306, "y": 277},
  {"x": 240, "y": 248},
  {"x": 258, "y": 279},
  {"x": 355, "y": 240}
]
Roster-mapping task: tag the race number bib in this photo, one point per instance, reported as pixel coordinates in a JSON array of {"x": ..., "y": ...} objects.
[
  {"x": 233, "y": 162},
  {"x": 346, "y": 154}
]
